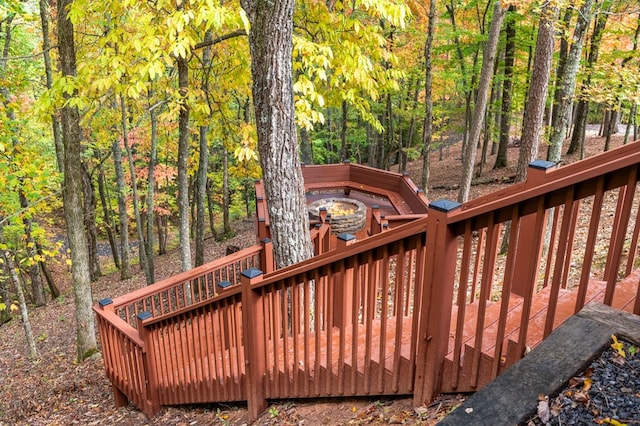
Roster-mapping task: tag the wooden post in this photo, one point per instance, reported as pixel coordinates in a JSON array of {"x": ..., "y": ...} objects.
[
  {"x": 120, "y": 399},
  {"x": 375, "y": 227},
  {"x": 343, "y": 300},
  {"x": 437, "y": 300},
  {"x": 151, "y": 403},
  {"x": 254, "y": 342},
  {"x": 267, "y": 262},
  {"x": 528, "y": 235}
]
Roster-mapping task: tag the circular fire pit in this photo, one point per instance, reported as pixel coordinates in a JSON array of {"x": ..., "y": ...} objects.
[{"x": 345, "y": 214}]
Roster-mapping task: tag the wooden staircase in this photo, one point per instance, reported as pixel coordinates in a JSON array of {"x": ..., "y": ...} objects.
[{"x": 466, "y": 379}]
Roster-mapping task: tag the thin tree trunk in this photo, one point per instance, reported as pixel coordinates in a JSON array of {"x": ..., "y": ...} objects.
[
  {"x": 72, "y": 138},
  {"x": 466, "y": 87},
  {"x": 567, "y": 87},
  {"x": 125, "y": 264},
  {"x": 183, "y": 155},
  {"x": 210, "y": 206},
  {"x": 203, "y": 162},
  {"x": 142, "y": 252},
  {"x": 13, "y": 273},
  {"x": 202, "y": 189},
  {"x": 107, "y": 217},
  {"x": 582, "y": 110},
  {"x": 427, "y": 132},
  {"x": 46, "y": 55},
  {"x": 34, "y": 271},
  {"x": 344, "y": 150},
  {"x": 563, "y": 54},
  {"x": 412, "y": 125},
  {"x": 484, "y": 86},
  {"x": 53, "y": 288},
  {"x": 306, "y": 150},
  {"x": 89, "y": 209},
  {"x": 151, "y": 187},
  {"x": 226, "y": 196},
  {"x": 507, "y": 88}
]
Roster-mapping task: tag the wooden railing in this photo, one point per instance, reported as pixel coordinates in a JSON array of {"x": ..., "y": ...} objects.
[
  {"x": 401, "y": 312},
  {"x": 570, "y": 236}
]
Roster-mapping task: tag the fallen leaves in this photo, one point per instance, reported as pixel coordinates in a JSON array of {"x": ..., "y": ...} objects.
[
  {"x": 543, "y": 408},
  {"x": 618, "y": 346}
]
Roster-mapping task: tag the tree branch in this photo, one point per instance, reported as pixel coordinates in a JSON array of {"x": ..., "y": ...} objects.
[{"x": 220, "y": 39}]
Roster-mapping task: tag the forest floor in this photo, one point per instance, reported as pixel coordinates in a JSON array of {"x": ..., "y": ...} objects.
[{"x": 56, "y": 390}]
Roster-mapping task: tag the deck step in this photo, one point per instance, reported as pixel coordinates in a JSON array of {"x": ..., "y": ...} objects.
[{"x": 477, "y": 369}]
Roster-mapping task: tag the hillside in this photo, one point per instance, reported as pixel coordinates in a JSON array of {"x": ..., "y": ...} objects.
[{"x": 57, "y": 391}]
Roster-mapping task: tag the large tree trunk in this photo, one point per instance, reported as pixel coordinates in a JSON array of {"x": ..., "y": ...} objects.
[
  {"x": 567, "y": 87},
  {"x": 72, "y": 138},
  {"x": 537, "y": 95},
  {"x": 183, "y": 155},
  {"x": 427, "y": 131},
  {"x": 507, "y": 88},
  {"x": 488, "y": 62},
  {"x": 270, "y": 41}
]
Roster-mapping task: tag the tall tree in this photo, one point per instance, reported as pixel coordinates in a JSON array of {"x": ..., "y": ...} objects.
[
  {"x": 537, "y": 94},
  {"x": 488, "y": 63},
  {"x": 270, "y": 42},
  {"x": 7, "y": 260},
  {"x": 72, "y": 139},
  {"x": 203, "y": 161},
  {"x": 427, "y": 131},
  {"x": 142, "y": 252},
  {"x": 183, "y": 155},
  {"x": 507, "y": 87},
  {"x": 582, "y": 109},
  {"x": 568, "y": 83},
  {"x": 34, "y": 267},
  {"x": 123, "y": 217}
]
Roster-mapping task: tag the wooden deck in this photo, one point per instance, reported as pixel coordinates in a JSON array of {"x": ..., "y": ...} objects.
[{"x": 430, "y": 307}]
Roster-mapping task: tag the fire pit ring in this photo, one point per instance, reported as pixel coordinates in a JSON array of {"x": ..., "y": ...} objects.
[{"x": 345, "y": 214}]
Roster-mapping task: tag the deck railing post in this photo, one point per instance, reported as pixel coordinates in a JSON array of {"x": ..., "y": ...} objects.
[
  {"x": 267, "y": 262},
  {"x": 109, "y": 351},
  {"x": 375, "y": 226},
  {"x": 528, "y": 236},
  {"x": 343, "y": 300},
  {"x": 437, "y": 301},
  {"x": 152, "y": 402},
  {"x": 254, "y": 342}
]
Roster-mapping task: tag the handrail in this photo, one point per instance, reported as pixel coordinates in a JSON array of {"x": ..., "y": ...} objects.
[
  {"x": 554, "y": 228},
  {"x": 188, "y": 287}
]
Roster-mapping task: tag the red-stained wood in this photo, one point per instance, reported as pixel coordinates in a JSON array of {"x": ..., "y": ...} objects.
[{"x": 396, "y": 313}]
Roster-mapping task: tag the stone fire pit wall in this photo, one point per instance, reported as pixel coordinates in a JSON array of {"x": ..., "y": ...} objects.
[{"x": 352, "y": 222}]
